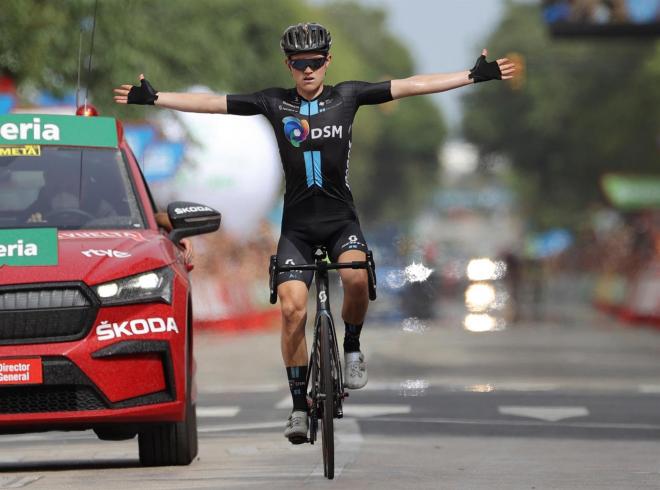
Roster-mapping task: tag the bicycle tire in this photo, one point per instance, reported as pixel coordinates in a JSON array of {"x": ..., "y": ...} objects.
[
  {"x": 313, "y": 383},
  {"x": 327, "y": 389}
]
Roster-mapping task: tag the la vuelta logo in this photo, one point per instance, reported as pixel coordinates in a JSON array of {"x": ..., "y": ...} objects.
[{"x": 109, "y": 331}]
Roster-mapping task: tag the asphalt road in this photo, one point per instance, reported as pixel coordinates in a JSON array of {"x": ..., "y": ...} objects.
[{"x": 572, "y": 402}]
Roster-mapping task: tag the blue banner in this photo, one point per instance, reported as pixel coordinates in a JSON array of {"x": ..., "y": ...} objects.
[
  {"x": 139, "y": 137},
  {"x": 7, "y": 103},
  {"x": 162, "y": 160}
]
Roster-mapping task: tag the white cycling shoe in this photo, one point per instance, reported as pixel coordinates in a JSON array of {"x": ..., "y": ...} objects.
[
  {"x": 355, "y": 370},
  {"x": 296, "y": 427}
]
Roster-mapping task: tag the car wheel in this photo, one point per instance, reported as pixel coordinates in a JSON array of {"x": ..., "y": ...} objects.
[{"x": 170, "y": 444}]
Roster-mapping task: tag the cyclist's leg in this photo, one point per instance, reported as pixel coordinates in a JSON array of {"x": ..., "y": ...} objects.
[
  {"x": 292, "y": 290},
  {"x": 356, "y": 288},
  {"x": 350, "y": 245}
]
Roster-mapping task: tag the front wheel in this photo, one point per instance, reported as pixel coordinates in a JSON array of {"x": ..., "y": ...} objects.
[
  {"x": 170, "y": 444},
  {"x": 328, "y": 401},
  {"x": 173, "y": 443}
]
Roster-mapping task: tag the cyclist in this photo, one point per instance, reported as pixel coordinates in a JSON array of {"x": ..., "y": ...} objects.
[{"x": 312, "y": 123}]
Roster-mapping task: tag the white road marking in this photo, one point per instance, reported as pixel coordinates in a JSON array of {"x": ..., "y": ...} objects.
[
  {"x": 17, "y": 482},
  {"x": 219, "y": 390},
  {"x": 49, "y": 436},
  {"x": 208, "y": 412},
  {"x": 285, "y": 402},
  {"x": 239, "y": 427},
  {"x": 551, "y": 414},
  {"x": 520, "y": 423},
  {"x": 383, "y": 386},
  {"x": 374, "y": 410},
  {"x": 358, "y": 410},
  {"x": 649, "y": 389}
]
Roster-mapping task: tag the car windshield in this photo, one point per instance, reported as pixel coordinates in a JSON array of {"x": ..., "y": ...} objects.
[{"x": 67, "y": 188}]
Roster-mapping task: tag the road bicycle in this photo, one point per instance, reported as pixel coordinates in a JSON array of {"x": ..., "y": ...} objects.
[{"x": 325, "y": 382}]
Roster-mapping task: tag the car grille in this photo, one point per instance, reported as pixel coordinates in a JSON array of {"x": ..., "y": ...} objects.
[
  {"x": 45, "y": 314},
  {"x": 35, "y": 399}
]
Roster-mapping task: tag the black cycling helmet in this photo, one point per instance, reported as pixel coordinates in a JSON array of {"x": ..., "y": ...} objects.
[{"x": 303, "y": 38}]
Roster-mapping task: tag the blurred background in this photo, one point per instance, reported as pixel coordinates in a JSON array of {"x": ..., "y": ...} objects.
[
  {"x": 515, "y": 226},
  {"x": 487, "y": 206}
]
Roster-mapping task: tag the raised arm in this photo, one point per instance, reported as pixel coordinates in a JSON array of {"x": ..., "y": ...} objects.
[
  {"x": 145, "y": 94},
  {"x": 502, "y": 69}
]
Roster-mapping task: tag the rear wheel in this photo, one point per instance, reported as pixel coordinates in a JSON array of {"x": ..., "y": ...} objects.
[{"x": 328, "y": 401}]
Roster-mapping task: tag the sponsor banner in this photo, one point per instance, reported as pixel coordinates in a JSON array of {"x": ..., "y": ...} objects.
[
  {"x": 632, "y": 192},
  {"x": 20, "y": 151},
  {"x": 28, "y": 247},
  {"x": 46, "y": 129},
  {"x": 26, "y": 371}
]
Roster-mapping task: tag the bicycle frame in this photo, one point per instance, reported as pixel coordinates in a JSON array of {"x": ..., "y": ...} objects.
[{"x": 323, "y": 309}]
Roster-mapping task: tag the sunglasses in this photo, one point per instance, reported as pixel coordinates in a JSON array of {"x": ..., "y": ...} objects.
[{"x": 313, "y": 63}]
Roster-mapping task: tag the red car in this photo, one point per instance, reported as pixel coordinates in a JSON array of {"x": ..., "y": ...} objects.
[{"x": 95, "y": 298}]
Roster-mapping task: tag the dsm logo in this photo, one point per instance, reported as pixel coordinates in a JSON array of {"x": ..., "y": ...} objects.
[{"x": 297, "y": 130}]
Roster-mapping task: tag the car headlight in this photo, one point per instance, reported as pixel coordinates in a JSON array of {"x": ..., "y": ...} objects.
[{"x": 142, "y": 288}]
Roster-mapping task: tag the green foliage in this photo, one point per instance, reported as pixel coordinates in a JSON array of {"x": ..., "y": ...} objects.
[
  {"x": 586, "y": 108},
  {"x": 232, "y": 46}
]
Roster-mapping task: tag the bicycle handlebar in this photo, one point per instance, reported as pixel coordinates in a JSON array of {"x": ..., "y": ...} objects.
[
  {"x": 323, "y": 266},
  {"x": 368, "y": 264}
]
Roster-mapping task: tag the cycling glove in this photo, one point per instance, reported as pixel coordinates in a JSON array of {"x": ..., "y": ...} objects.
[
  {"x": 484, "y": 70},
  {"x": 145, "y": 94}
]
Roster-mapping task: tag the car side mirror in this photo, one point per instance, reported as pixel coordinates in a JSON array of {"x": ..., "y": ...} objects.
[{"x": 189, "y": 218}]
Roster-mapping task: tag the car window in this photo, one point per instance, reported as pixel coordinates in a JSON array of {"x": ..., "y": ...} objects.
[{"x": 67, "y": 188}]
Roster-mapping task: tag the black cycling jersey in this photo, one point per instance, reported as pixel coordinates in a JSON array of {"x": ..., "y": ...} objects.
[{"x": 314, "y": 139}]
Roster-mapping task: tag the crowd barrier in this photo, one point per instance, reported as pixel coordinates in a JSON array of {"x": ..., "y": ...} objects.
[{"x": 634, "y": 299}]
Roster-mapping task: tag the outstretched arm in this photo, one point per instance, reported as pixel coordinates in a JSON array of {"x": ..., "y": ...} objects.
[
  {"x": 145, "y": 94},
  {"x": 210, "y": 103},
  {"x": 431, "y": 84}
]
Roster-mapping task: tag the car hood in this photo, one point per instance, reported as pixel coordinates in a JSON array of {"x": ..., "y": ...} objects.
[{"x": 98, "y": 256}]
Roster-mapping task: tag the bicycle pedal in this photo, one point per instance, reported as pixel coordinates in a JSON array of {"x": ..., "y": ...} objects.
[{"x": 296, "y": 440}]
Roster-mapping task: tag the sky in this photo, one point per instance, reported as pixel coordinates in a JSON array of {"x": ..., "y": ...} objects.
[{"x": 444, "y": 36}]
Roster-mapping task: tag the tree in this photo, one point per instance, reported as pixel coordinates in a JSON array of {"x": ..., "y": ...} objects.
[
  {"x": 586, "y": 108},
  {"x": 231, "y": 46}
]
